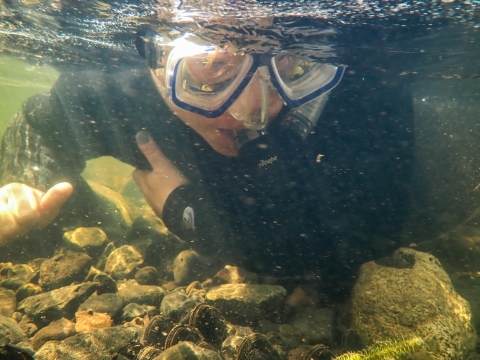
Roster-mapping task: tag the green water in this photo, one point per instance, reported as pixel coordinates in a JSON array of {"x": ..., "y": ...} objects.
[{"x": 19, "y": 80}]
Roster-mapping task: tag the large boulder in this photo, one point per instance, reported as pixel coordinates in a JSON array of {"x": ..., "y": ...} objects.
[{"x": 409, "y": 294}]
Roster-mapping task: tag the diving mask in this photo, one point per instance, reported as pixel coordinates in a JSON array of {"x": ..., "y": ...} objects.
[{"x": 207, "y": 80}]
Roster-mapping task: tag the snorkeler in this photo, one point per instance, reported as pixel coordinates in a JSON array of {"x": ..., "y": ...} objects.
[{"x": 228, "y": 153}]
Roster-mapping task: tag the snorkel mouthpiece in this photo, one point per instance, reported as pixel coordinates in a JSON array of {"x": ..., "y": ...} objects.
[{"x": 302, "y": 119}]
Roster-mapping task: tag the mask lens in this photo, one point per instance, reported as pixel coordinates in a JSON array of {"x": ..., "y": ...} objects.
[
  {"x": 300, "y": 77},
  {"x": 210, "y": 74},
  {"x": 208, "y": 80}
]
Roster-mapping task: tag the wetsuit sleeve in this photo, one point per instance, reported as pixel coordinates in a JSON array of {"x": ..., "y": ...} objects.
[{"x": 191, "y": 215}]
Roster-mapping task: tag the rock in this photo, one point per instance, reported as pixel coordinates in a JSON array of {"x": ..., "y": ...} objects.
[
  {"x": 107, "y": 250},
  {"x": 315, "y": 325},
  {"x": 140, "y": 294},
  {"x": 90, "y": 320},
  {"x": 105, "y": 284},
  {"x": 21, "y": 350},
  {"x": 246, "y": 303},
  {"x": 123, "y": 261},
  {"x": 230, "y": 347},
  {"x": 90, "y": 239},
  {"x": 234, "y": 275},
  {"x": 281, "y": 342},
  {"x": 187, "y": 267},
  {"x": 409, "y": 294},
  {"x": 110, "y": 304},
  {"x": 195, "y": 288},
  {"x": 56, "y": 330},
  {"x": 63, "y": 270},
  {"x": 147, "y": 275},
  {"x": 27, "y": 290},
  {"x": 36, "y": 263},
  {"x": 117, "y": 219},
  {"x": 10, "y": 332},
  {"x": 56, "y": 304},
  {"x": 86, "y": 237},
  {"x": 300, "y": 298},
  {"x": 131, "y": 311},
  {"x": 160, "y": 246},
  {"x": 8, "y": 302},
  {"x": 28, "y": 326},
  {"x": 187, "y": 350},
  {"x": 95, "y": 344},
  {"x": 17, "y": 275},
  {"x": 177, "y": 305}
]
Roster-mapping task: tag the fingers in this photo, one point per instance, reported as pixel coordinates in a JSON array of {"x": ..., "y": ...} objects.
[
  {"x": 23, "y": 207},
  {"x": 8, "y": 224},
  {"x": 22, "y": 202},
  {"x": 18, "y": 210},
  {"x": 52, "y": 201},
  {"x": 151, "y": 151}
]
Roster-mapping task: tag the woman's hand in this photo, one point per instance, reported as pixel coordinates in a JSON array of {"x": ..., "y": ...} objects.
[
  {"x": 156, "y": 185},
  {"x": 23, "y": 207}
]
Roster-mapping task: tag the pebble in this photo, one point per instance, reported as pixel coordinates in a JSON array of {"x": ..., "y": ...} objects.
[
  {"x": 90, "y": 320},
  {"x": 86, "y": 238},
  {"x": 123, "y": 261},
  {"x": 187, "y": 350},
  {"x": 177, "y": 305},
  {"x": 58, "y": 303},
  {"x": 17, "y": 275},
  {"x": 147, "y": 275},
  {"x": 245, "y": 304},
  {"x": 10, "y": 332},
  {"x": 63, "y": 270},
  {"x": 28, "y": 326},
  {"x": 132, "y": 311},
  {"x": 105, "y": 284},
  {"x": 187, "y": 267},
  {"x": 8, "y": 302},
  {"x": 56, "y": 330},
  {"x": 315, "y": 325},
  {"x": 234, "y": 275},
  {"x": 132, "y": 292},
  {"x": 108, "y": 303},
  {"x": 27, "y": 290},
  {"x": 95, "y": 344}
]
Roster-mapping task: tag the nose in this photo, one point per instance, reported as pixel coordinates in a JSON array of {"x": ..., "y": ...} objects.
[{"x": 258, "y": 102}]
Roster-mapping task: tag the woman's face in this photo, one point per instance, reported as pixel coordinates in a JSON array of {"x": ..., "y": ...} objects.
[{"x": 220, "y": 132}]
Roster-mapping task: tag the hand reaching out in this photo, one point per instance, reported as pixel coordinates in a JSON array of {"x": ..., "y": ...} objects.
[
  {"x": 156, "y": 184},
  {"x": 23, "y": 207}
]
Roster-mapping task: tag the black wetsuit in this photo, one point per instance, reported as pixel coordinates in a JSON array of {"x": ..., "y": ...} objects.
[{"x": 299, "y": 215}]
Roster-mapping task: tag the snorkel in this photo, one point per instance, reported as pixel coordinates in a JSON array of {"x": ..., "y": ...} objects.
[{"x": 299, "y": 120}]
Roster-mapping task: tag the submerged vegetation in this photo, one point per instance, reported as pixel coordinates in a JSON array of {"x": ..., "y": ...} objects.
[{"x": 390, "y": 349}]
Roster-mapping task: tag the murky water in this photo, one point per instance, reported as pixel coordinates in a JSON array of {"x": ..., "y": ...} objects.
[{"x": 361, "y": 239}]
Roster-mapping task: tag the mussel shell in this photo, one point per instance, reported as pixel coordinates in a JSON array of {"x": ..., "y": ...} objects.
[
  {"x": 182, "y": 333},
  {"x": 157, "y": 331},
  {"x": 256, "y": 347},
  {"x": 319, "y": 352},
  {"x": 210, "y": 322},
  {"x": 148, "y": 353}
]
